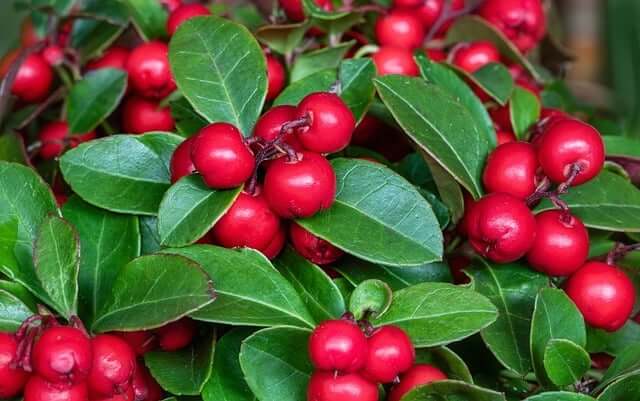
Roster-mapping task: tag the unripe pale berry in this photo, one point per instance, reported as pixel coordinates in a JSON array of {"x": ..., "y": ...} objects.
[
  {"x": 62, "y": 355},
  {"x": 184, "y": 13},
  {"x": 401, "y": 29},
  {"x": 511, "y": 168},
  {"x": 338, "y": 345},
  {"x": 326, "y": 386},
  {"x": 313, "y": 248},
  {"x": 181, "y": 164},
  {"x": 112, "y": 368},
  {"x": 390, "y": 353},
  {"x": 140, "y": 115},
  {"x": 522, "y": 21},
  {"x": 331, "y": 123},
  {"x": 418, "y": 375},
  {"x": 149, "y": 72},
  {"x": 12, "y": 378}
]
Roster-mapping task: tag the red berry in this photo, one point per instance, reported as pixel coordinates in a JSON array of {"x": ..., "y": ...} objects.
[
  {"x": 503, "y": 137},
  {"x": 338, "y": 345},
  {"x": 34, "y": 78},
  {"x": 331, "y": 123},
  {"x": 326, "y": 386},
  {"x": 313, "y": 248},
  {"x": 12, "y": 379},
  {"x": 144, "y": 386},
  {"x": 53, "y": 55},
  {"x": 436, "y": 55},
  {"x": 601, "y": 361},
  {"x": 295, "y": 11},
  {"x": 149, "y": 71},
  {"x": 430, "y": 11},
  {"x": 302, "y": 188},
  {"x": 269, "y": 125},
  {"x": 221, "y": 156},
  {"x": 406, "y": 3},
  {"x": 128, "y": 395},
  {"x": 62, "y": 355},
  {"x": 391, "y": 60},
  {"x": 276, "y": 76},
  {"x": 501, "y": 227},
  {"x": 603, "y": 293},
  {"x": 141, "y": 115},
  {"x": 171, "y": 5},
  {"x": 113, "y": 365},
  {"x": 181, "y": 164},
  {"x": 140, "y": 342},
  {"x": 275, "y": 246},
  {"x": 570, "y": 142},
  {"x": 457, "y": 264},
  {"x": 400, "y": 29},
  {"x": 113, "y": 57},
  {"x": 183, "y": 13},
  {"x": 38, "y": 389},
  {"x": 390, "y": 353},
  {"x": 248, "y": 223},
  {"x": 522, "y": 21},
  {"x": 176, "y": 335},
  {"x": 382, "y": 138},
  {"x": 511, "y": 168},
  {"x": 417, "y": 376},
  {"x": 472, "y": 56},
  {"x": 53, "y": 136},
  {"x": 561, "y": 246}
]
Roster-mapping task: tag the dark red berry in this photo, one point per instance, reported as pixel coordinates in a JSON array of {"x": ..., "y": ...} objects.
[
  {"x": 416, "y": 376},
  {"x": 472, "y": 56},
  {"x": 181, "y": 164},
  {"x": 511, "y": 168},
  {"x": 12, "y": 378},
  {"x": 301, "y": 188},
  {"x": 149, "y": 71},
  {"x": 390, "y": 353},
  {"x": 276, "y": 76},
  {"x": 313, "y": 248},
  {"x": 295, "y": 11},
  {"x": 326, "y": 386},
  {"x": 34, "y": 78},
  {"x": 62, "y": 355},
  {"x": 338, "y": 345},
  {"x": 221, "y": 156},
  {"x": 140, "y": 342},
  {"x": 176, "y": 335},
  {"x": 391, "y": 60},
  {"x": 38, "y": 389},
  {"x": 113, "y": 57},
  {"x": 113, "y": 366},
  {"x": 331, "y": 123},
  {"x": 183, "y": 13},
  {"x": 270, "y": 123},
  {"x": 401, "y": 29},
  {"x": 144, "y": 386},
  {"x": 503, "y": 137},
  {"x": 140, "y": 115},
  {"x": 55, "y": 138},
  {"x": 522, "y": 21}
]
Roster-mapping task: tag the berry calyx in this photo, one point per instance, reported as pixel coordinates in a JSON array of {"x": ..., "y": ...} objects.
[
  {"x": 338, "y": 345},
  {"x": 112, "y": 367},
  {"x": 276, "y": 77},
  {"x": 34, "y": 77},
  {"x": 522, "y": 21},
  {"x": 391, "y": 60},
  {"x": 500, "y": 227},
  {"x": 113, "y": 57},
  {"x": 140, "y": 115},
  {"x": 418, "y": 375},
  {"x": 561, "y": 245},
  {"x": 38, "y": 389},
  {"x": 270, "y": 123},
  {"x": 221, "y": 156},
  {"x": 401, "y": 29},
  {"x": 176, "y": 335},
  {"x": 149, "y": 71},
  {"x": 326, "y": 386},
  {"x": 12, "y": 378},
  {"x": 55, "y": 137},
  {"x": 330, "y": 122},
  {"x": 603, "y": 293},
  {"x": 181, "y": 164},
  {"x": 184, "y": 13},
  {"x": 302, "y": 188},
  {"x": 472, "y": 56},
  {"x": 62, "y": 355},
  {"x": 313, "y": 248},
  {"x": 390, "y": 353},
  {"x": 511, "y": 168}
]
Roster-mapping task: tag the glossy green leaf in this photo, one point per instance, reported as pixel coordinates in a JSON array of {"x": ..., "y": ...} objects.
[
  {"x": 121, "y": 173},
  {"x": 614, "y": 343},
  {"x": 108, "y": 241},
  {"x": 524, "y": 109},
  {"x": 92, "y": 36},
  {"x": 448, "y": 188},
  {"x": 356, "y": 84},
  {"x": 495, "y": 80},
  {"x": 153, "y": 290},
  {"x": 318, "y": 60},
  {"x": 336, "y": 26},
  {"x": 627, "y": 362},
  {"x": 273, "y": 370},
  {"x": 439, "y": 209},
  {"x": 446, "y": 360},
  {"x": 19, "y": 291},
  {"x": 313, "y": 9},
  {"x": 250, "y": 291},
  {"x": 150, "y": 238},
  {"x": 565, "y": 362},
  {"x": 12, "y": 149},
  {"x": 560, "y": 396},
  {"x": 513, "y": 289},
  {"x": 451, "y": 390},
  {"x": 282, "y": 38},
  {"x": 219, "y": 67},
  {"x": 316, "y": 82},
  {"x": 439, "y": 125},
  {"x": 370, "y": 298},
  {"x": 188, "y": 121},
  {"x": 436, "y": 313},
  {"x": 13, "y": 311},
  {"x": 625, "y": 389},
  {"x": 149, "y": 17},
  {"x": 319, "y": 293},
  {"x": 374, "y": 202},
  {"x": 189, "y": 209},
  {"x": 621, "y": 146}
]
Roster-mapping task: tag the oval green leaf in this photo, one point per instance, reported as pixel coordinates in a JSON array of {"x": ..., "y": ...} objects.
[
  {"x": 149, "y": 18},
  {"x": 452, "y": 390},
  {"x": 318, "y": 60},
  {"x": 92, "y": 36},
  {"x": 12, "y": 149},
  {"x": 188, "y": 121},
  {"x": 150, "y": 239},
  {"x": 446, "y": 360},
  {"x": 316, "y": 82},
  {"x": 565, "y": 362},
  {"x": 622, "y": 146},
  {"x": 13, "y": 311},
  {"x": 495, "y": 80},
  {"x": 370, "y": 298},
  {"x": 560, "y": 396},
  {"x": 356, "y": 84},
  {"x": 627, "y": 362},
  {"x": 282, "y": 38},
  {"x": 524, "y": 109},
  {"x": 625, "y": 389}
]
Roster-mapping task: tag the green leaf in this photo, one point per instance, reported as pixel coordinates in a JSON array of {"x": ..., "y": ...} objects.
[
  {"x": 524, "y": 109},
  {"x": 250, "y": 290},
  {"x": 12, "y": 149},
  {"x": 92, "y": 36},
  {"x": 513, "y": 289},
  {"x": 448, "y": 80},
  {"x": 614, "y": 343},
  {"x": 317, "y": 82},
  {"x": 188, "y": 122},
  {"x": 439, "y": 209},
  {"x": 150, "y": 238},
  {"x": 149, "y": 17},
  {"x": 446, "y": 360},
  {"x": 356, "y": 81},
  {"x": 439, "y": 125},
  {"x": 608, "y": 202},
  {"x": 337, "y": 25},
  {"x": 94, "y": 98},
  {"x": 19, "y": 291},
  {"x": 153, "y": 290},
  {"x": 559, "y": 396},
  {"x": 186, "y": 371},
  {"x": 227, "y": 380},
  {"x": 621, "y": 146},
  {"x": 555, "y": 317},
  {"x": 448, "y": 188},
  {"x": 189, "y": 209},
  {"x": 219, "y": 67},
  {"x": 494, "y": 79},
  {"x": 436, "y": 313},
  {"x": 370, "y": 298},
  {"x": 56, "y": 256},
  {"x": 625, "y": 389},
  {"x": 451, "y": 390},
  {"x": 627, "y": 362},
  {"x": 565, "y": 362},
  {"x": 273, "y": 371},
  {"x": 318, "y": 60},
  {"x": 108, "y": 241},
  {"x": 282, "y": 38},
  {"x": 319, "y": 293},
  {"x": 13, "y": 311},
  {"x": 121, "y": 173}
]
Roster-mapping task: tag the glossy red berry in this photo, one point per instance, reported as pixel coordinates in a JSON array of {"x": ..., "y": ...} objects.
[
  {"x": 183, "y": 13},
  {"x": 55, "y": 138},
  {"x": 503, "y": 137},
  {"x": 62, "y": 355},
  {"x": 276, "y": 77},
  {"x": 38, "y": 389},
  {"x": 472, "y": 56},
  {"x": 561, "y": 246},
  {"x": 12, "y": 378},
  {"x": 522, "y": 21},
  {"x": 176, "y": 335},
  {"x": 326, "y": 386},
  {"x": 431, "y": 10},
  {"x": 140, "y": 342},
  {"x": 113, "y": 57},
  {"x": 511, "y": 168},
  {"x": 270, "y": 123},
  {"x": 221, "y": 156},
  {"x": 331, "y": 123},
  {"x": 401, "y": 29},
  {"x": 248, "y": 223},
  {"x": 128, "y": 395},
  {"x": 149, "y": 71},
  {"x": 275, "y": 246},
  {"x": 501, "y": 227},
  {"x": 181, "y": 164},
  {"x": 391, "y": 60},
  {"x": 313, "y": 248},
  {"x": 302, "y": 188},
  {"x": 144, "y": 386},
  {"x": 436, "y": 55},
  {"x": 53, "y": 55},
  {"x": 390, "y": 353},
  {"x": 113, "y": 366},
  {"x": 338, "y": 345},
  {"x": 417, "y": 376},
  {"x": 34, "y": 78},
  {"x": 295, "y": 11},
  {"x": 140, "y": 115},
  {"x": 603, "y": 293},
  {"x": 569, "y": 142}
]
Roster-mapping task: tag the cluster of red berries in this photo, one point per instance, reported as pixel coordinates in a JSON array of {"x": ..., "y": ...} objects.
[{"x": 350, "y": 365}]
